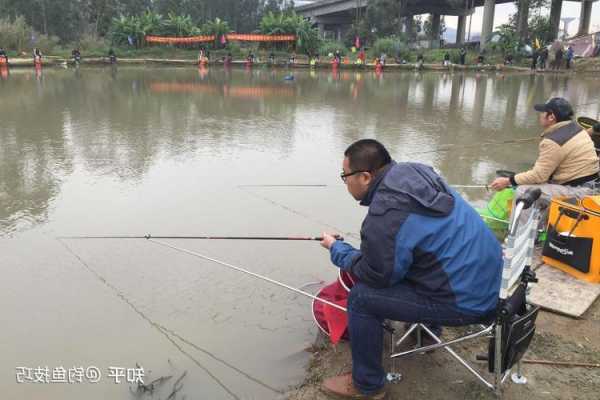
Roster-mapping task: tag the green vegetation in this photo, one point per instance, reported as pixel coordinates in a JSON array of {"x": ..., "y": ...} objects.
[
  {"x": 216, "y": 27},
  {"x": 331, "y": 46},
  {"x": 57, "y": 26},
  {"x": 308, "y": 41},
  {"x": 70, "y": 20},
  {"x": 16, "y": 35},
  {"x": 150, "y": 23},
  {"x": 506, "y": 39},
  {"x": 394, "y": 46},
  {"x": 135, "y": 28},
  {"x": 128, "y": 28}
]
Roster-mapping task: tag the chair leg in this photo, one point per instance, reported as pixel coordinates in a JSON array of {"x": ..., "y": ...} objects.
[
  {"x": 393, "y": 376},
  {"x": 517, "y": 377},
  {"x": 393, "y": 360},
  {"x": 446, "y": 346},
  {"x": 406, "y": 334},
  {"x": 498, "y": 360},
  {"x": 417, "y": 328},
  {"x": 441, "y": 344},
  {"x": 458, "y": 358}
]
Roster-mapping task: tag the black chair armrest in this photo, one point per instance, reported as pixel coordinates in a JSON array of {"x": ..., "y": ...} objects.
[{"x": 529, "y": 197}]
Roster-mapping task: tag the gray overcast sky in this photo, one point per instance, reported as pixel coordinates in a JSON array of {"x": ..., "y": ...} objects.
[{"x": 570, "y": 9}]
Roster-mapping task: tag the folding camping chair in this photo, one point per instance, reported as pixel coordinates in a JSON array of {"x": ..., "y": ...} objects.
[{"x": 514, "y": 325}]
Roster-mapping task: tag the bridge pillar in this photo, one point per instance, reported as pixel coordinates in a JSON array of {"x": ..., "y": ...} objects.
[
  {"x": 409, "y": 25},
  {"x": 435, "y": 30},
  {"x": 555, "y": 13},
  {"x": 461, "y": 29},
  {"x": 584, "y": 18},
  {"x": 522, "y": 19},
  {"x": 481, "y": 84},
  {"x": 321, "y": 28},
  {"x": 488, "y": 22}
]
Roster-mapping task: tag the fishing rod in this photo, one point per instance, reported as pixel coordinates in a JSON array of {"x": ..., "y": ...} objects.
[
  {"x": 512, "y": 141},
  {"x": 486, "y": 187},
  {"x": 247, "y": 272},
  {"x": 335, "y": 185},
  {"x": 204, "y": 237},
  {"x": 287, "y": 185},
  {"x": 453, "y": 145},
  {"x": 585, "y": 104}
]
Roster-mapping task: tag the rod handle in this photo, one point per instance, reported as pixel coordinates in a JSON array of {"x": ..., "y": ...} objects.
[{"x": 337, "y": 237}]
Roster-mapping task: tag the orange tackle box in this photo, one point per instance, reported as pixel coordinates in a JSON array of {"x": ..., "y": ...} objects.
[{"x": 573, "y": 239}]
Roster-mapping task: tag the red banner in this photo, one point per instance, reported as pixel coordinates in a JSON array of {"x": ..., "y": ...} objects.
[
  {"x": 253, "y": 37},
  {"x": 242, "y": 37},
  {"x": 180, "y": 40}
]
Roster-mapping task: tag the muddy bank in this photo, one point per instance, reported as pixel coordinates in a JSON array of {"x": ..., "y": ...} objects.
[{"x": 439, "y": 376}]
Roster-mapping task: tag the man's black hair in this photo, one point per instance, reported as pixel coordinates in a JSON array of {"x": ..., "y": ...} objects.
[
  {"x": 367, "y": 155},
  {"x": 563, "y": 118}
]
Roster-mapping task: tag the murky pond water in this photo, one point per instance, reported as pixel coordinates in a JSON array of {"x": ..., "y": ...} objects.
[{"x": 167, "y": 151}]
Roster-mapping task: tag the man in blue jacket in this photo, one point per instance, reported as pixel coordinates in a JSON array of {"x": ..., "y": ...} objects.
[{"x": 425, "y": 256}]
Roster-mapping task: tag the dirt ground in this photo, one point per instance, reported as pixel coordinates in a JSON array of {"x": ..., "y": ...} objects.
[
  {"x": 587, "y": 64},
  {"x": 438, "y": 376}
]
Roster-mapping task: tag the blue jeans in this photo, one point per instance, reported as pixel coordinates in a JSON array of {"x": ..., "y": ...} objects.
[{"x": 369, "y": 307}]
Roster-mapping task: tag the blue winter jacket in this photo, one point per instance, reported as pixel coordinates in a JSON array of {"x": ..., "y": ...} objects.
[{"x": 421, "y": 232}]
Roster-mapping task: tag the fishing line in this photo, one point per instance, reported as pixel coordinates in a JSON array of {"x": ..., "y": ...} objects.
[
  {"x": 308, "y": 217},
  {"x": 247, "y": 272},
  {"x": 494, "y": 219},
  {"x": 214, "y": 357},
  {"x": 298, "y": 213},
  {"x": 165, "y": 331}
]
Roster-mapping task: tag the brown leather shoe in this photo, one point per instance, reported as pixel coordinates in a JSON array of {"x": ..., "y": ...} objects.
[{"x": 343, "y": 388}]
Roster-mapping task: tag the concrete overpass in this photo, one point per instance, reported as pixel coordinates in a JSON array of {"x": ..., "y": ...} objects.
[{"x": 340, "y": 14}]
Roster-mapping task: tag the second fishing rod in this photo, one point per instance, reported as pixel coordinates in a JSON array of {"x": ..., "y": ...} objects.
[{"x": 200, "y": 237}]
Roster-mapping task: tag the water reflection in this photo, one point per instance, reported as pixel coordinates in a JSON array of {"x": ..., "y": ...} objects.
[
  {"x": 122, "y": 123},
  {"x": 4, "y": 72}
]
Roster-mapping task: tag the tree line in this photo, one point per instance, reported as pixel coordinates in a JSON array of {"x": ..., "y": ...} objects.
[
  {"x": 133, "y": 29},
  {"x": 45, "y": 23},
  {"x": 69, "y": 20}
]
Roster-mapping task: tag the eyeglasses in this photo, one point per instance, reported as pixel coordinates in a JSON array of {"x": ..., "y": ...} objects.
[{"x": 345, "y": 176}]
